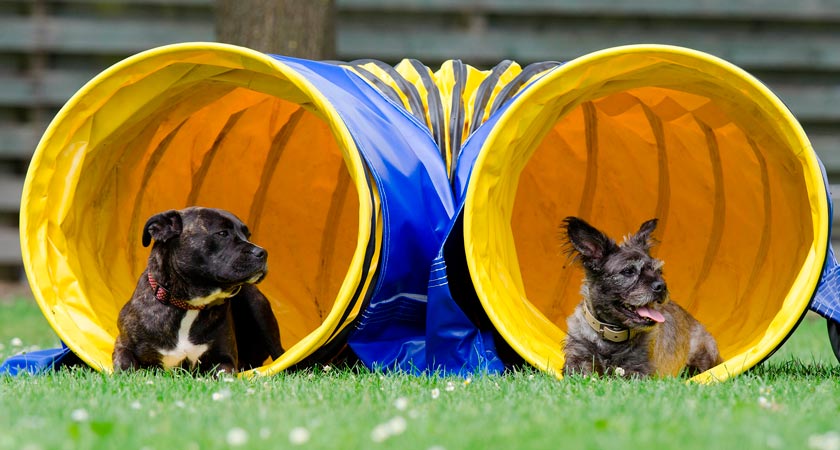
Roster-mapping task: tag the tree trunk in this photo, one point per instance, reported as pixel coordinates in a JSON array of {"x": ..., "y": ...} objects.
[{"x": 301, "y": 28}]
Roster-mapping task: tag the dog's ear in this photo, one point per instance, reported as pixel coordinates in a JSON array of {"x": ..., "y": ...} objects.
[
  {"x": 642, "y": 237},
  {"x": 162, "y": 227},
  {"x": 589, "y": 243}
]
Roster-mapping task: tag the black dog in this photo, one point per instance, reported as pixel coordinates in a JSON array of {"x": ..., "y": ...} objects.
[{"x": 196, "y": 306}]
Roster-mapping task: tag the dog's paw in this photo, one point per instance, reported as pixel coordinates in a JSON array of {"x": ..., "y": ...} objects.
[{"x": 225, "y": 371}]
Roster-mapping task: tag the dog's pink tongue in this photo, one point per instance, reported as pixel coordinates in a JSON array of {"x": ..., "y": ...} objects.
[{"x": 651, "y": 314}]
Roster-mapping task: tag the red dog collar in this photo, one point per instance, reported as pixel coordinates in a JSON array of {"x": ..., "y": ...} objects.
[{"x": 162, "y": 295}]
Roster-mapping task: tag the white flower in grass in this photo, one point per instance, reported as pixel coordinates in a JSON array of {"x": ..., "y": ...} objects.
[
  {"x": 531, "y": 376},
  {"x": 379, "y": 433},
  {"x": 327, "y": 368},
  {"x": 136, "y": 404},
  {"x": 393, "y": 427},
  {"x": 401, "y": 403},
  {"x": 16, "y": 342},
  {"x": 397, "y": 425},
  {"x": 766, "y": 403},
  {"x": 180, "y": 404},
  {"x": 237, "y": 436},
  {"x": 298, "y": 436},
  {"x": 224, "y": 394},
  {"x": 765, "y": 390},
  {"x": 619, "y": 371},
  {"x": 467, "y": 381},
  {"x": 79, "y": 415},
  {"x": 150, "y": 382},
  {"x": 827, "y": 441},
  {"x": 250, "y": 391},
  {"x": 435, "y": 393},
  {"x": 450, "y": 386}
]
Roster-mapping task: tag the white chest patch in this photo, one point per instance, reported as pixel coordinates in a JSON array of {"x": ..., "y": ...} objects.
[{"x": 184, "y": 349}]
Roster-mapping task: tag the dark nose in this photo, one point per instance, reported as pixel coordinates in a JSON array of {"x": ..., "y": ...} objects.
[
  {"x": 657, "y": 286},
  {"x": 259, "y": 252}
]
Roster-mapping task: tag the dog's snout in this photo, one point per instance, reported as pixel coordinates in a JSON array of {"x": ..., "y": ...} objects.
[
  {"x": 259, "y": 252},
  {"x": 657, "y": 286}
]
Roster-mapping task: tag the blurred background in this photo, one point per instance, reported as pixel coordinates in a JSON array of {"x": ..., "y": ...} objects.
[{"x": 50, "y": 48}]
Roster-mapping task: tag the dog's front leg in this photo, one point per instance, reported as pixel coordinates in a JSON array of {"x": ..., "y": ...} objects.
[
  {"x": 222, "y": 356},
  {"x": 703, "y": 353},
  {"x": 256, "y": 329},
  {"x": 217, "y": 364},
  {"x": 581, "y": 365},
  {"x": 123, "y": 358}
]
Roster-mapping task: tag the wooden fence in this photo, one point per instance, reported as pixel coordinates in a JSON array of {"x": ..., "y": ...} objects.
[{"x": 50, "y": 48}]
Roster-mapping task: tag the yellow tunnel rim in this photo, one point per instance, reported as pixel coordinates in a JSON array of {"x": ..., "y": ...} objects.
[
  {"x": 34, "y": 208},
  {"x": 580, "y": 75}
]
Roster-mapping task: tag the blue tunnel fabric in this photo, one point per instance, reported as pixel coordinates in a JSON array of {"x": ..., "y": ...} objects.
[
  {"x": 826, "y": 301},
  {"x": 416, "y": 206},
  {"x": 459, "y": 338},
  {"x": 38, "y": 361},
  {"x": 456, "y": 337}
]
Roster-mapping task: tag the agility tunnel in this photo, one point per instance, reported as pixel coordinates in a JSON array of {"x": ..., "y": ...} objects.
[
  {"x": 627, "y": 134},
  {"x": 321, "y": 167},
  {"x": 412, "y": 217}
]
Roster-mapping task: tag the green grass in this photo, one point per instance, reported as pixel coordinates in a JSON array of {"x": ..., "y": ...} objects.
[{"x": 790, "y": 401}]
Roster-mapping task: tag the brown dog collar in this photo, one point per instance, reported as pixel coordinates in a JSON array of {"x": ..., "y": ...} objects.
[
  {"x": 607, "y": 331},
  {"x": 162, "y": 295}
]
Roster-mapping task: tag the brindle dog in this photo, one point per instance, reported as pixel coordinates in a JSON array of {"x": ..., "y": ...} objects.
[
  {"x": 626, "y": 323},
  {"x": 196, "y": 305}
]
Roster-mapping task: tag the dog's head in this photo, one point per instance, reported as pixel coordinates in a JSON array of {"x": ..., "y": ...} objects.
[
  {"x": 623, "y": 284},
  {"x": 206, "y": 245}
]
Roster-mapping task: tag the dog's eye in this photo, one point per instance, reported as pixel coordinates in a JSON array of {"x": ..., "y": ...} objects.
[
  {"x": 629, "y": 271},
  {"x": 222, "y": 233}
]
